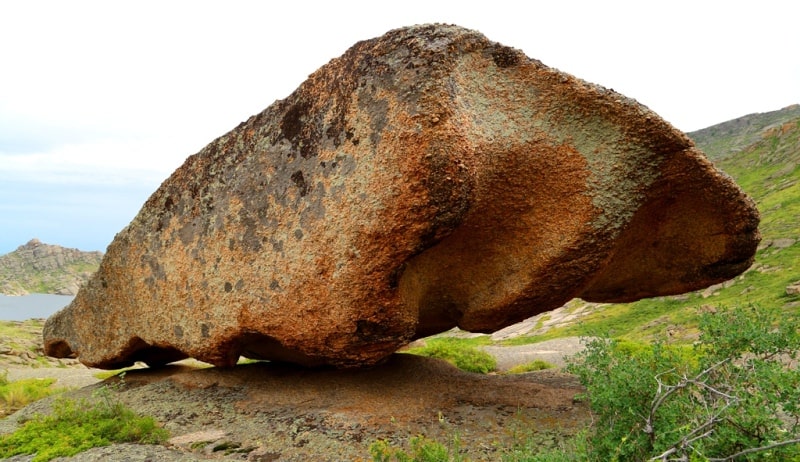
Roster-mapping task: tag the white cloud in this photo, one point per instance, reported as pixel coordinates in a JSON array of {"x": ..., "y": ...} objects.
[
  {"x": 117, "y": 94},
  {"x": 101, "y": 162}
]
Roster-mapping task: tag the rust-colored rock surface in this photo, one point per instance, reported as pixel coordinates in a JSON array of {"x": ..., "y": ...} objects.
[{"x": 426, "y": 179}]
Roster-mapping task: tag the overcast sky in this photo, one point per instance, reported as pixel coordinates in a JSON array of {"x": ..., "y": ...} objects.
[{"x": 101, "y": 101}]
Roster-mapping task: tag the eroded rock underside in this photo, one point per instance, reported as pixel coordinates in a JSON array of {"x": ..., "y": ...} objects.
[{"x": 426, "y": 179}]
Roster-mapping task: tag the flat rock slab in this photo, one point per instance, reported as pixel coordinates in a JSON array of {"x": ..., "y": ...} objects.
[
  {"x": 300, "y": 414},
  {"x": 66, "y": 377},
  {"x": 425, "y": 179},
  {"x": 555, "y": 351}
]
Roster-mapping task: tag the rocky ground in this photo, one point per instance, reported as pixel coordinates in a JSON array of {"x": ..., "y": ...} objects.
[
  {"x": 21, "y": 346},
  {"x": 268, "y": 411},
  {"x": 277, "y": 412}
]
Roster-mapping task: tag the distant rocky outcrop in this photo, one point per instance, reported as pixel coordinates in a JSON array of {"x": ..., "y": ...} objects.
[
  {"x": 42, "y": 268},
  {"x": 426, "y": 179}
]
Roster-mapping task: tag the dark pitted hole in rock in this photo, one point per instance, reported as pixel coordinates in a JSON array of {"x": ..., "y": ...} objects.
[
  {"x": 372, "y": 331},
  {"x": 300, "y": 182},
  {"x": 505, "y": 56}
]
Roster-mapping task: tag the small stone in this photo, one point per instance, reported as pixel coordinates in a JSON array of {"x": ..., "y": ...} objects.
[{"x": 783, "y": 243}]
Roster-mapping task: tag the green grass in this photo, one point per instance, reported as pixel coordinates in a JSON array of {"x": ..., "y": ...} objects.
[
  {"x": 676, "y": 319},
  {"x": 542, "y": 319},
  {"x": 769, "y": 172},
  {"x": 18, "y": 394},
  {"x": 461, "y": 352},
  {"x": 76, "y": 426},
  {"x": 104, "y": 375},
  {"x": 647, "y": 318},
  {"x": 536, "y": 365},
  {"x": 27, "y": 330},
  {"x": 422, "y": 449}
]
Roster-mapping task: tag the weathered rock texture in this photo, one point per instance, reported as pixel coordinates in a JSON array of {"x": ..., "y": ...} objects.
[{"x": 426, "y": 179}]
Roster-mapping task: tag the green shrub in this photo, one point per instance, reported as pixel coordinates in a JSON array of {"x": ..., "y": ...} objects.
[
  {"x": 76, "y": 426},
  {"x": 460, "y": 352},
  {"x": 735, "y": 395}
]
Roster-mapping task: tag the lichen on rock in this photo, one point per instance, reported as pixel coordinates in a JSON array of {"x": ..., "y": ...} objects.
[{"x": 425, "y": 179}]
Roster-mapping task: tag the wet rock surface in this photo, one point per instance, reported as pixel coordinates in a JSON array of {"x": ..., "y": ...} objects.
[{"x": 426, "y": 179}]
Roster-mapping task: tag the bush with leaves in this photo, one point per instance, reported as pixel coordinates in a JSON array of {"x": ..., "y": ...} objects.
[
  {"x": 735, "y": 397},
  {"x": 76, "y": 426}
]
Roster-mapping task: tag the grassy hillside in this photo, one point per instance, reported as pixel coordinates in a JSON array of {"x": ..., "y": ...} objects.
[
  {"x": 769, "y": 170},
  {"x": 726, "y": 139}
]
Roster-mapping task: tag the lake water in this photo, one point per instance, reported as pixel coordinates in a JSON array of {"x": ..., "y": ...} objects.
[{"x": 31, "y": 306}]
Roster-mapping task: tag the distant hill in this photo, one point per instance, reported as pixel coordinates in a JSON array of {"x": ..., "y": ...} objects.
[
  {"x": 762, "y": 153},
  {"x": 723, "y": 140},
  {"x": 769, "y": 170},
  {"x": 46, "y": 269}
]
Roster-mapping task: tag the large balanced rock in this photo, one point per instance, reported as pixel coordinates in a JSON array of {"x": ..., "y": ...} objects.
[{"x": 426, "y": 179}]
